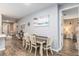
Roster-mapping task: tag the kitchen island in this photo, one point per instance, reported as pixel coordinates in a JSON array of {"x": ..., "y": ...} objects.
[{"x": 2, "y": 41}]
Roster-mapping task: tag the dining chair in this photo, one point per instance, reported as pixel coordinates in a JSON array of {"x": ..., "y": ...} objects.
[
  {"x": 24, "y": 40},
  {"x": 47, "y": 46},
  {"x": 33, "y": 43},
  {"x": 27, "y": 41},
  {"x": 17, "y": 36}
]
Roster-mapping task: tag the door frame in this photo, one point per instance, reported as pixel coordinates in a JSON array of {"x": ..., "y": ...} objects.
[{"x": 61, "y": 22}]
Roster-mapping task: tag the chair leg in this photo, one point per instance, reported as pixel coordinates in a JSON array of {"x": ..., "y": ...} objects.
[
  {"x": 47, "y": 52},
  {"x": 26, "y": 46},
  {"x": 51, "y": 51},
  {"x": 23, "y": 43},
  {"x": 30, "y": 49},
  {"x": 35, "y": 51}
]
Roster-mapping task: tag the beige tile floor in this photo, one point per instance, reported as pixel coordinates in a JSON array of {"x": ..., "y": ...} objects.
[
  {"x": 69, "y": 48},
  {"x": 14, "y": 48}
]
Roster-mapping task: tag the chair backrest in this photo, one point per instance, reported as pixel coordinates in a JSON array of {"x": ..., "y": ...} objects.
[
  {"x": 27, "y": 37},
  {"x": 49, "y": 42},
  {"x": 33, "y": 39}
]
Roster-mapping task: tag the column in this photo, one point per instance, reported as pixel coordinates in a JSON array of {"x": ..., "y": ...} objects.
[
  {"x": 0, "y": 24},
  {"x": 2, "y": 37},
  {"x": 78, "y": 32}
]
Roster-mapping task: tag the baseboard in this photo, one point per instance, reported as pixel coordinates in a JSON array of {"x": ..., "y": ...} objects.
[
  {"x": 57, "y": 50},
  {"x": 2, "y": 49}
]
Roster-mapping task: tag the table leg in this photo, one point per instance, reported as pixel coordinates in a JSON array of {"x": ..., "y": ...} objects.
[
  {"x": 41, "y": 49},
  {"x": 23, "y": 42}
]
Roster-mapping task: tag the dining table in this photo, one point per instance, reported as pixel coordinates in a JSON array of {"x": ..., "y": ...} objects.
[{"x": 41, "y": 40}]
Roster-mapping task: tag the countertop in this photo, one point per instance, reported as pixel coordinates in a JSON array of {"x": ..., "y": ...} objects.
[{"x": 2, "y": 35}]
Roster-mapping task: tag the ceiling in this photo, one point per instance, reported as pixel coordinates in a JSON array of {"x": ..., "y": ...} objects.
[
  {"x": 19, "y": 10},
  {"x": 70, "y": 13}
]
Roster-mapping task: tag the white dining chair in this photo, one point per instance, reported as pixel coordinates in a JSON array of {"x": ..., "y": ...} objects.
[
  {"x": 26, "y": 41},
  {"x": 33, "y": 43},
  {"x": 17, "y": 36},
  {"x": 23, "y": 41},
  {"x": 47, "y": 46}
]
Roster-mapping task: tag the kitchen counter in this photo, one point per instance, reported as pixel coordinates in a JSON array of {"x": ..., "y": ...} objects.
[
  {"x": 2, "y": 41},
  {"x": 3, "y": 35}
]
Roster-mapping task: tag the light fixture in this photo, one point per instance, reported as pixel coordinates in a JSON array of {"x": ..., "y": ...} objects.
[{"x": 27, "y": 4}]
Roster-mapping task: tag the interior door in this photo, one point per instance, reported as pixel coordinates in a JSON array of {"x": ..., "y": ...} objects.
[{"x": 4, "y": 28}]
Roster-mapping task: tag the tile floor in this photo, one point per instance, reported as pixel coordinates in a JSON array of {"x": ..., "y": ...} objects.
[{"x": 14, "y": 48}]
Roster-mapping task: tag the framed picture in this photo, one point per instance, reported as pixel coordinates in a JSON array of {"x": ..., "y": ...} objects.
[
  {"x": 41, "y": 21},
  {"x": 28, "y": 23},
  {"x": 23, "y": 26}
]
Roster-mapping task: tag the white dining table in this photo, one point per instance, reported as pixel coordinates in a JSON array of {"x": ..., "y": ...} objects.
[{"x": 41, "y": 41}]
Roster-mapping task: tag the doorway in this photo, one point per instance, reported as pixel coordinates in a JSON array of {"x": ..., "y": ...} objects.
[
  {"x": 69, "y": 31},
  {"x": 7, "y": 28}
]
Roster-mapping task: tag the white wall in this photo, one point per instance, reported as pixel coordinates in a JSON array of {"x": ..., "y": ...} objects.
[{"x": 51, "y": 30}]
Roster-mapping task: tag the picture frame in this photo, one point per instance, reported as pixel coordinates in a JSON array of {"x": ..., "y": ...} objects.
[
  {"x": 23, "y": 26},
  {"x": 41, "y": 21}
]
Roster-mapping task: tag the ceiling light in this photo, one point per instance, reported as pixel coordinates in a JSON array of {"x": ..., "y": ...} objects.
[{"x": 27, "y": 4}]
